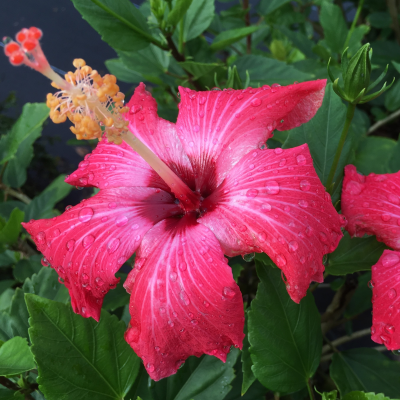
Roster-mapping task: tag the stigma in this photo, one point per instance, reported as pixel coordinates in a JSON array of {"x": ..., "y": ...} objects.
[{"x": 93, "y": 103}]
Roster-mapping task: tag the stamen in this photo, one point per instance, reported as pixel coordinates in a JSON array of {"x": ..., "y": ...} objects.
[{"x": 93, "y": 103}]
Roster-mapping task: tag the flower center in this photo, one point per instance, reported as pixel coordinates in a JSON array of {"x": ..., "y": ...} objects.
[{"x": 94, "y": 104}]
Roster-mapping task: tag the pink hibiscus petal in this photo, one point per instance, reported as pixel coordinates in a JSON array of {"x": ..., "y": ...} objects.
[
  {"x": 184, "y": 300},
  {"x": 89, "y": 242},
  {"x": 158, "y": 134},
  {"x": 386, "y": 300},
  {"x": 112, "y": 166},
  {"x": 372, "y": 205},
  {"x": 218, "y": 127},
  {"x": 272, "y": 201}
]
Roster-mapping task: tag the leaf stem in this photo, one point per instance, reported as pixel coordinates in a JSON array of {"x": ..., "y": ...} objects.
[
  {"x": 180, "y": 44},
  {"x": 20, "y": 196},
  {"x": 349, "y": 117},
  {"x": 353, "y": 24},
  {"x": 384, "y": 121},
  {"x": 345, "y": 339},
  {"x": 310, "y": 390},
  {"x": 150, "y": 38}
]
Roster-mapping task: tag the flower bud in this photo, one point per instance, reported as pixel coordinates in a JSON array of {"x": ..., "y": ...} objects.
[{"x": 357, "y": 75}]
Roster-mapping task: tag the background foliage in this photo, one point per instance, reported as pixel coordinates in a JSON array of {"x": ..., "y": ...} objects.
[{"x": 321, "y": 343}]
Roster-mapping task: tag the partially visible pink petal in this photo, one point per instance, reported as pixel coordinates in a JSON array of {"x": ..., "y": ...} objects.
[
  {"x": 112, "y": 166},
  {"x": 184, "y": 300},
  {"x": 272, "y": 201},
  {"x": 386, "y": 300},
  {"x": 89, "y": 243},
  {"x": 158, "y": 134},
  {"x": 372, "y": 205},
  {"x": 218, "y": 127}
]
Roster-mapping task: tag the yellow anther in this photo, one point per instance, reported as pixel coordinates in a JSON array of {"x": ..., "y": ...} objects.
[
  {"x": 54, "y": 85},
  {"x": 70, "y": 77},
  {"x": 108, "y": 121},
  {"x": 79, "y": 63}
]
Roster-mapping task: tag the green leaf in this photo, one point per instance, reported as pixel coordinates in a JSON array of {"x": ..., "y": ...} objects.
[
  {"x": 25, "y": 268},
  {"x": 374, "y": 154},
  {"x": 122, "y": 72},
  {"x": 322, "y": 134},
  {"x": 285, "y": 337},
  {"x": 15, "y": 357},
  {"x": 148, "y": 63},
  {"x": 334, "y": 25},
  {"x": 10, "y": 232},
  {"x": 299, "y": 40},
  {"x": 201, "y": 378},
  {"x": 361, "y": 299},
  {"x": 364, "y": 396},
  {"x": 231, "y": 36},
  {"x": 15, "y": 172},
  {"x": 6, "y": 298},
  {"x": 117, "y": 297},
  {"x": 234, "y": 80},
  {"x": 352, "y": 255},
  {"x": 379, "y": 20},
  {"x": 268, "y": 6},
  {"x": 178, "y": 11},
  {"x": 392, "y": 98},
  {"x": 42, "y": 205},
  {"x": 198, "y": 18},
  {"x": 7, "y": 394},
  {"x": 199, "y": 69},
  {"x": 92, "y": 357},
  {"x": 7, "y": 207},
  {"x": 266, "y": 71},
  {"x": 7, "y": 258},
  {"x": 366, "y": 370},
  {"x": 248, "y": 376},
  {"x": 14, "y": 321},
  {"x": 330, "y": 395},
  {"x": 119, "y": 23},
  {"x": 28, "y": 124}
]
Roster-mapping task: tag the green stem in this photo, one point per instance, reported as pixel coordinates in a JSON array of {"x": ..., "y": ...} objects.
[
  {"x": 353, "y": 24},
  {"x": 180, "y": 44},
  {"x": 310, "y": 391},
  {"x": 150, "y": 38},
  {"x": 349, "y": 116}
]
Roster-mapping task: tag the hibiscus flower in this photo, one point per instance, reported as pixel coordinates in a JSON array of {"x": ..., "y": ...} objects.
[
  {"x": 182, "y": 197},
  {"x": 371, "y": 205}
]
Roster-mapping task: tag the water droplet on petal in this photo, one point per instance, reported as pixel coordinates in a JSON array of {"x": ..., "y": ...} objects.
[
  {"x": 392, "y": 293},
  {"x": 293, "y": 246},
  {"x": 44, "y": 262},
  {"x": 150, "y": 367},
  {"x": 71, "y": 245},
  {"x": 301, "y": 160},
  {"x": 303, "y": 203},
  {"x": 272, "y": 187},
  {"x": 112, "y": 205},
  {"x": 40, "y": 237},
  {"x": 394, "y": 199},
  {"x": 99, "y": 281},
  {"x": 385, "y": 217},
  {"x": 266, "y": 207},
  {"x": 173, "y": 276},
  {"x": 184, "y": 298},
  {"x": 390, "y": 259},
  {"x": 371, "y": 284},
  {"x": 353, "y": 187},
  {"x": 194, "y": 321},
  {"x": 280, "y": 260},
  {"x": 85, "y": 214},
  {"x": 56, "y": 232},
  {"x": 87, "y": 241},
  {"x": 252, "y": 193},
  {"x": 249, "y": 257},
  {"x": 121, "y": 220},
  {"x": 183, "y": 266},
  {"x": 228, "y": 292},
  {"x": 262, "y": 237},
  {"x": 256, "y": 102},
  {"x": 305, "y": 185},
  {"x": 389, "y": 329},
  {"x": 113, "y": 245}
]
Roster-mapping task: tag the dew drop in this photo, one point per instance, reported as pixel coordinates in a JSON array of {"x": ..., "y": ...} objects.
[
  {"x": 112, "y": 205},
  {"x": 184, "y": 298},
  {"x": 293, "y": 246},
  {"x": 371, "y": 284},
  {"x": 56, "y": 232},
  {"x": 99, "y": 281},
  {"x": 256, "y": 102},
  {"x": 85, "y": 214},
  {"x": 392, "y": 293},
  {"x": 44, "y": 262},
  {"x": 87, "y": 241},
  {"x": 71, "y": 245},
  {"x": 385, "y": 217},
  {"x": 249, "y": 257},
  {"x": 228, "y": 292},
  {"x": 252, "y": 193},
  {"x": 121, "y": 220},
  {"x": 394, "y": 199},
  {"x": 262, "y": 237},
  {"x": 173, "y": 276},
  {"x": 272, "y": 187},
  {"x": 113, "y": 245},
  {"x": 301, "y": 160},
  {"x": 40, "y": 237},
  {"x": 303, "y": 203},
  {"x": 194, "y": 321},
  {"x": 183, "y": 266},
  {"x": 266, "y": 207},
  {"x": 389, "y": 329},
  {"x": 390, "y": 259},
  {"x": 150, "y": 367},
  {"x": 305, "y": 185},
  {"x": 280, "y": 260}
]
